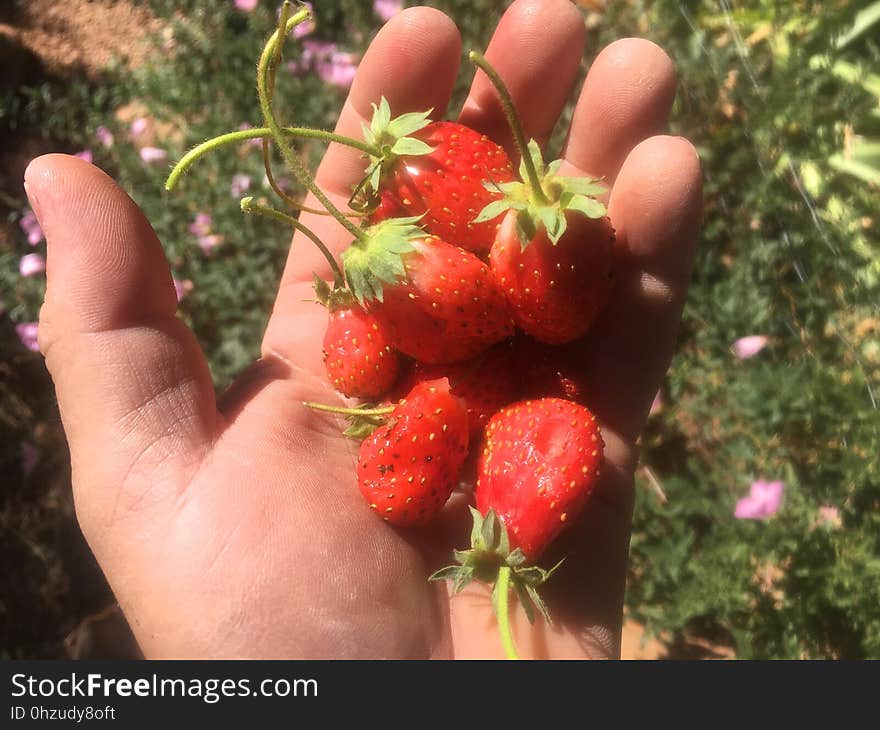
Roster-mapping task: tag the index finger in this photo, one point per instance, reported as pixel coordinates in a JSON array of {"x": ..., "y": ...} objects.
[{"x": 412, "y": 62}]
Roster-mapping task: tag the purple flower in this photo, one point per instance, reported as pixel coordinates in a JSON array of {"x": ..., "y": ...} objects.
[
  {"x": 240, "y": 185},
  {"x": 104, "y": 136},
  {"x": 85, "y": 155},
  {"x": 182, "y": 287},
  {"x": 246, "y": 5},
  {"x": 209, "y": 242},
  {"x": 746, "y": 347},
  {"x": 30, "y": 455},
  {"x": 153, "y": 154},
  {"x": 340, "y": 70},
  {"x": 31, "y": 264},
  {"x": 27, "y": 333},
  {"x": 387, "y": 9},
  {"x": 139, "y": 126},
  {"x": 304, "y": 29},
  {"x": 31, "y": 226},
  {"x": 764, "y": 501}
]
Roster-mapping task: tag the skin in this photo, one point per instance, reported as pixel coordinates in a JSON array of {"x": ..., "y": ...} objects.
[{"x": 230, "y": 526}]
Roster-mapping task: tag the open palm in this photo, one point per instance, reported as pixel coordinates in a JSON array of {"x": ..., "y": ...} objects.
[{"x": 233, "y": 526}]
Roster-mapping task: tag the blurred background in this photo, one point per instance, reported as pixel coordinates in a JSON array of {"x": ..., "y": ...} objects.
[{"x": 757, "y": 523}]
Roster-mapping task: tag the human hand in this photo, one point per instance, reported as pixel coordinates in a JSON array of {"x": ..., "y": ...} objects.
[{"x": 232, "y": 526}]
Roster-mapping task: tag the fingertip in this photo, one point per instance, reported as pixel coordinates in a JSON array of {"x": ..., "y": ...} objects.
[{"x": 656, "y": 204}]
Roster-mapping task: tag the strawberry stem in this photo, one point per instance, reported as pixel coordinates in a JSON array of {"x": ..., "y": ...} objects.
[
  {"x": 257, "y": 133},
  {"x": 502, "y": 589},
  {"x": 249, "y": 206},
  {"x": 272, "y": 53},
  {"x": 515, "y": 126},
  {"x": 381, "y": 411}
]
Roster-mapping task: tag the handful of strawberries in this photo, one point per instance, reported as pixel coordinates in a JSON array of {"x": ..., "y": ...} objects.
[{"x": 450, "y": 317}]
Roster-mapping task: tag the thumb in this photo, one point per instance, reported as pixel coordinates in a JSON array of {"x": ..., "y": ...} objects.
[{"x": 133, "y": 386}]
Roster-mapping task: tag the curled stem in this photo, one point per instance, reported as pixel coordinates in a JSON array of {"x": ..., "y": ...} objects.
[
  {"x": 502, "y": 587},
  {"x": 249, "y": 206},
  {"x": 272, "y": 51},
  {"x": 257, "y": 133},
  {"x": 513, "y": 120}
]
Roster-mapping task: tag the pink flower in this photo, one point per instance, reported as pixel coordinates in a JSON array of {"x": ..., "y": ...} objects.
[
  {"x": 30, "y": 455},
  {"x": 139, "y": 126},
  {"x": 340, "y": 70},
  {"x": 85, "y": 155},
  {"x": 27, "y": 333},
  {"x": 31, "y": 264},
  {"x": 182, "y": 287},
  {"x": 829, "y": 516},
  {"x": 201, "y": 225},
  {"x": 746, "y": 347},
  {"x": 153, "y": 154},
  {"x": 209, "y": 242},
  {"x": 764, "y": 501},
  {"x": 304, "y": 29},
  {"x": 104, "y": 136},
  {"x": 246, "y": 5},
  {"x": 31, "y": 226},
  {"x": 240, "y": 185},
  {"x": 656, "y": 404},
  {"x": 387, "y": 9}
]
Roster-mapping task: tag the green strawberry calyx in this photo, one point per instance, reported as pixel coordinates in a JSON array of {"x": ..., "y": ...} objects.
[
  {"x": 362, "y": 420},
  {"x": 376, "y": 258},
  {"x": 334, "y": 298},
  {"x": 391, "y": 138},
  {"x": 490, "y": 560},
  {"x": 547, "y": 204}
]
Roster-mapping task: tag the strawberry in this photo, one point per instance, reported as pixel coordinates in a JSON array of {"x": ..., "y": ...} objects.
[
  {"x": 358, "y": 356},
  {"x": 437, "y": 170},
  {"x": 549, "y": 371},
  {"x": 539, "y": 464},
  {"x": 409, "y": 466},
  {"x": 439, "y": 303},
  {"x": 485, "y": 383},
  {"x": 554, "y": 258}
]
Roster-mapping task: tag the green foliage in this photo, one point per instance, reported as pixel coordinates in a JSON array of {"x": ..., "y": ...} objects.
[{"x": 782, "y": 104}]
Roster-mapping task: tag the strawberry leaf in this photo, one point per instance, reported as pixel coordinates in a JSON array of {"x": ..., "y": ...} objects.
[
  {"x": 590, "y": 207},
  {"x": 378, "y": 259},
  {"x": 496, "y": 208}
]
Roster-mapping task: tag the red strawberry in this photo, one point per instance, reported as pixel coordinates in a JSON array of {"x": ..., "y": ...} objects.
[
  {"x": 408, "y": 467},
  {"x": 358, "y": 355},
  {"x": 540, "y": 463},
  {"x": 549, "y": 371},
  {"x": 439, "y": 170},
  {"x": 555, "y": 290},
  {"x": 486, "y": 383},
  {"x": 438, "y": 302}
]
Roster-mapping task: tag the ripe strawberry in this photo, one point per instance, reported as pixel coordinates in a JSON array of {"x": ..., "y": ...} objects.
[
  {"x": 358, "y": 355},
  {"x": 485, "y": 383},
  {"x": 539, "y": 464},
  {"x": 438, "y": 170},
  {"x": 439, "y": 303},
  {"x": 549, "y": 371},
  {"x": 408, "y": 467},
  {"x": 553, "y": 258}
]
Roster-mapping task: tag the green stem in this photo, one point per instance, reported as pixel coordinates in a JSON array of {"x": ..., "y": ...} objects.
[
  {"x": 258, "y": 133},
  {"x": 249, "y": 206},
  {"x": 270, "y": 50},
  {"x": 515, "y": 127},
  {"x": 383, "y": 411},
  {"x": 503, "y": 588}
]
